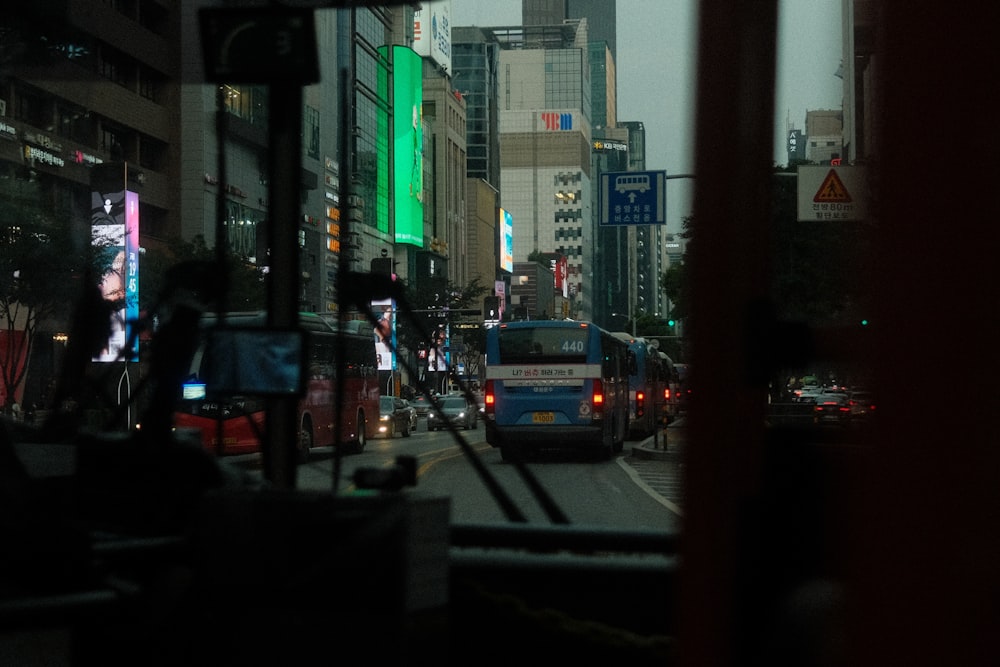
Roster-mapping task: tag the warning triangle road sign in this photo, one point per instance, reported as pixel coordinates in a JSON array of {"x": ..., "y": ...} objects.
[{"x": 832, "y": 190}]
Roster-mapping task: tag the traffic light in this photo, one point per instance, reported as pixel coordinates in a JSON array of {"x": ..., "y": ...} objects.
[
  {"x": 671, "y": 322},
  {"x": 491, "y": 308}
]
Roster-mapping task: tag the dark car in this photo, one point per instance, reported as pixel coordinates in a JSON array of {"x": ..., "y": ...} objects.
[
  {"x": 455, "y": 410},
  {"x": 394, "y": 417},
  {"x": 414, "y": 418},
  {"x": 862, "y": 405},
  {"x": 421, "y": 404},
  {"x": 832, "y": 408}
]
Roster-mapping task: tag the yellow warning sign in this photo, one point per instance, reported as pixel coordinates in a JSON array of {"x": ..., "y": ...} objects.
[{"x": 832, "y": 190}]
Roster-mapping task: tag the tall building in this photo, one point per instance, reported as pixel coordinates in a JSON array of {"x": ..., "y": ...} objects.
[
  {"x": 650, "y": 241},
  {"x": 545, "y": 138},
  {"x": 350, "y": 43},
  {"x": 110, "y": 95},
  {"x": 601, "y": 33},
  {"x": 444, "y": 112},
  {"x": 155, "y": 113},
  {"x": 83, "y": 87},
  {"x": 475, "y": 66},
  {"x": 859, "y": 79},
  {"x": 609, "y": 285},
  {"x": 600, "y": 15},
  {"x": 604, "y": 87},
  {"x": 611, "y": 256}
]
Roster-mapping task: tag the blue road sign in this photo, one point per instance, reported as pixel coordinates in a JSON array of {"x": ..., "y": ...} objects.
[{"x": 633, "y": 198}]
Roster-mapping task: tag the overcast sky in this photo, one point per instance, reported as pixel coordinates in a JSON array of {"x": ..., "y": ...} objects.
[{"x": 656, "y": 63}]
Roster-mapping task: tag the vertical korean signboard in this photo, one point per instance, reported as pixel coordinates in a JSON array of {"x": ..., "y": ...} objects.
[
  {"x": 115, "y": 239},
  {"x": 432, "y": 31},
  {"x": 560, "y": 269}
]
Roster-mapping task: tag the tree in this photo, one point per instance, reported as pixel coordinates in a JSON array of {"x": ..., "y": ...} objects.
[
  {"x": 41, "y": 267},
  {"x": 430, "y": 299},
  {"x": 247, "y": 285},
  {"x": 673, "y": 281},
  {"x": 434, "y": 294},
  {"x": 473, "y": 349}
]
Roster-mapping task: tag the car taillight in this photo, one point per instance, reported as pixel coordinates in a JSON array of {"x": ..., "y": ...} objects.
[
  {"x": 489, "y": 398},
  {"x": 666, "y": 393}
]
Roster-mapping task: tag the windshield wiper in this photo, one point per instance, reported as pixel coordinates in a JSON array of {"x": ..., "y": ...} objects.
[{"x": 365, "y": 288}]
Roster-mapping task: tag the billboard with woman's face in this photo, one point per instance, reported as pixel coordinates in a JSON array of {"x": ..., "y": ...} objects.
[{"x": 115, "y": 238}]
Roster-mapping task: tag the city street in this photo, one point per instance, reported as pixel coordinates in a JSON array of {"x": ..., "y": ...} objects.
[{"x": 640, "y": 488}]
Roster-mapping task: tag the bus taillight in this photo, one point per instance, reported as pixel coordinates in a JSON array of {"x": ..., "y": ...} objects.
[
  {"x": 598, "y": 399},
  {"x": 640, "y": 403},
  {"x": 489, "y": 398}
]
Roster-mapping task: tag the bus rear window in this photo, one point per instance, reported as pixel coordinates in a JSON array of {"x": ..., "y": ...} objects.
[{"x": 562, "y": 345}]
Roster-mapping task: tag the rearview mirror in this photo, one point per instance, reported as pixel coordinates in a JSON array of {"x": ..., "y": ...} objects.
[{"x": 261, "y": 362}]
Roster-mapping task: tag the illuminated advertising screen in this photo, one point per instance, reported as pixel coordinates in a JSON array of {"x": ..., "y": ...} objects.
[
  {"x": 506, "y": 241},
  {"x": 500, "y": 290},
  {"x": 385, "y": 334},
  {"x": 115, "y": 238},
  {"x": 438, "y": 352},
  {"x": 408, "y": 140}
]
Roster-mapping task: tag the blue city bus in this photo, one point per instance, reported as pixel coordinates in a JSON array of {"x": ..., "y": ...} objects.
[
  {"x": 671, "y": 388},
  {"x": 555, "y": 384},
  {"x": 651, "y": 384}
]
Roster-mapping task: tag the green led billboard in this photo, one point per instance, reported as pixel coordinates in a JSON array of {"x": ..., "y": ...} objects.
[{"x": 408, "y": 155}]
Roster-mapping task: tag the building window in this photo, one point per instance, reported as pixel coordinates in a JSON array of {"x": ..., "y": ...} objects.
[
  {"x": 149, "y": 83},
  {"x": 312, "y": 132},
  {"x": 32, "y": 109},
  {"x": 113, "y": 142},
  {"x": 152, "y": 153},
  {"x": 246, "y": 102},
  {"x": 114, "y": 65}
]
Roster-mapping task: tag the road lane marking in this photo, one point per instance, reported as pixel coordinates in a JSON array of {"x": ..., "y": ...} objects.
[{"x": 634, "y": 474}]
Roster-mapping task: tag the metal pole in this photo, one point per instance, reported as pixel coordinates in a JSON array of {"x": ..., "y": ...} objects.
[{"x": 281, "y": 437}]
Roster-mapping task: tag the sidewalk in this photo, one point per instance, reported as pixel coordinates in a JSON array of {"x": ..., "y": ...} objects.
[{"x": 667, "y": 444}]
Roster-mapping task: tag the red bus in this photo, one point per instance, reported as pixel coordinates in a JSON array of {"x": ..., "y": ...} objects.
[{"x": 239, "y": 415}]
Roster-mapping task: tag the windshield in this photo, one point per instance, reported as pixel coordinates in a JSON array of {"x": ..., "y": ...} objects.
[{"x": 636, "y": 244}]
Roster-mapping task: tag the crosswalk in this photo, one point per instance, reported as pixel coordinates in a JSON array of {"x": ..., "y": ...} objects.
[{"x": 663, "y": 478}]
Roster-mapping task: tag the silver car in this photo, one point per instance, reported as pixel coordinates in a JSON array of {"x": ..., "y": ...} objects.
[{"x": 455, "y": 410}]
